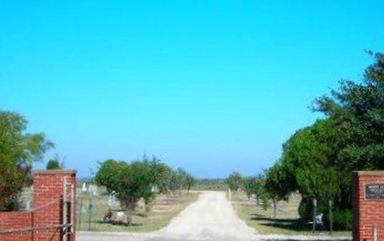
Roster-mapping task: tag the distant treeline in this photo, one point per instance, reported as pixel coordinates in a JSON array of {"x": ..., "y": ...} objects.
[{"x": 214, "y": 184}]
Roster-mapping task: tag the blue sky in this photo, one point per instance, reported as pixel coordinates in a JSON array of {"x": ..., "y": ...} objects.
[{"x": 210, "y": 86}]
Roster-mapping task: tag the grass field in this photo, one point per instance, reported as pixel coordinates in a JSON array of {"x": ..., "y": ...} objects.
[
  {"x": 284, "y": 223},
  {"x": 163, "y": 210}
]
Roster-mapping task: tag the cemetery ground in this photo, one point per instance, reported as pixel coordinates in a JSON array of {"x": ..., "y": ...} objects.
[
  {"x": 285, "y": 222},
  {"x": 164, "y": 208},
  {"x": 211, "y": 217}
]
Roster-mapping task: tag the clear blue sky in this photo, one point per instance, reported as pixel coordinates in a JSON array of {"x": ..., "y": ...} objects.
[{"x": 211, "y": 86}]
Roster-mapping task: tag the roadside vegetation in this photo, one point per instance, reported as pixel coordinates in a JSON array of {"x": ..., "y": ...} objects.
[
  {"x": 285, "y": 221},
  {"x": 318, "y": 160},
  {"x": 18, "y": 150},
  {"x": 138, "y": 187},
  {"x": 164, "y": 208},
  {"x": 149, "y": 192}
]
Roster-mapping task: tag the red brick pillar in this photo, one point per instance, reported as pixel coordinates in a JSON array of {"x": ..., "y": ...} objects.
[
  {"x": 368, "y": 205},
  {"x": 48, "y": 194}
]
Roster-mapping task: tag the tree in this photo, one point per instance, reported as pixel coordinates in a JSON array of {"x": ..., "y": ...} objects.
[
  {"x": 357, "y": 109},
  {"x": 349, "y": 138},
  {"x": 55, "y": 163},
  {"x": 190, "y": 181},
  {"x": 132, "y": 181},
  {"x": 17, "y": 152},
  {"x": 250, "y": 185},
  {"x": 178, "y": 180},
  {"x": 162, "y": 175},
  {"x": 277, "y": 184},
  {"x": 308, "y": 162},
  {"x": 234, "y": 181}
]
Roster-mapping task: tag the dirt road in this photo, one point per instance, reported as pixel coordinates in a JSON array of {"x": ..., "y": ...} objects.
[{"x": 211, "y": 217}]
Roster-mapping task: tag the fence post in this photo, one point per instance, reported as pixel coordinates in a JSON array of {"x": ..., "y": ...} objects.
[
  {"x": 73, "y": 207},
  {"x": 80, "y": 210},
  {"x": 90, "y": 212},
  {"x": 64, "y": 209}
]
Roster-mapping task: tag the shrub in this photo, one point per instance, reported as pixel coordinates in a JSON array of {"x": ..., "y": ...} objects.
[
  {"x": 53, "y": 164},
  {"x": 306, "y": 208},
  {"x": 342, "y": 219}
]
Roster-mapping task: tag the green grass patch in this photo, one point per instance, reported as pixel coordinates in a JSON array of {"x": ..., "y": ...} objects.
[{"x": 163, "y": 210}]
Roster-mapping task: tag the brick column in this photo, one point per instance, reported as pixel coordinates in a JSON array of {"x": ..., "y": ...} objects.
[
  {"x": 368, "y": 205},
  {"x": 48, "y": 189}
]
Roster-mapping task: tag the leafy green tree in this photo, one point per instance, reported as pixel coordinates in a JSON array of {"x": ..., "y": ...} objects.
[
  {"x": 357, "y": 109},
  {"x": 190, "y": 181},
  {"x": 277, "y": 184},
  {"x": 18, "y": 150},
  {"x": 178, "y": 181},
  {"x": 133, "y": 181},
  {"x": 234, "y": 181},
  {"x": 250, "y": 185},
  {"x": 55, "y": 163},
  {"x": 349, "y": 138},
  {"x": 162, "y": 175}
]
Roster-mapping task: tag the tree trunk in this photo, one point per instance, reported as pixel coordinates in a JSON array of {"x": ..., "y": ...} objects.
[
  {"x": 274, "y": 208},
  {"x": 314, "y": 215},
  {"x": 130, "y": 206},
  {"x": 330, "y": 217}
]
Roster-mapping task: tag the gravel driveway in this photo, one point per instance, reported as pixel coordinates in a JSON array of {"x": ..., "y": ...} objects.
[{"x": 210, "y": 218}]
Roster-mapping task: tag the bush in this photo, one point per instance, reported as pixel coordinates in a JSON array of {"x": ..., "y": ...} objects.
[
  {"x": 342, "y": 219},
  {"x": 53, "y": 164},
  {"x": 306, "y": 208}
]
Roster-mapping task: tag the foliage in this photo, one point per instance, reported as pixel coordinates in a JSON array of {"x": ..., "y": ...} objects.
[
  {"x": 278, "y": 182},
  {"x": 234, "y": 181},
  {"x": 17, "y": 152},
  {"x": 181, "y": 180},
  {"x": 55, "y": 163},
  {"x": 190, "y": 181},
  {"x": 140, "y": 180},
  {"x": 318, "y": 160},
  {"x": 342, "y": 219},
  {"x": 250, "y": 186},
  {"x": 216, "y": 184},
  {"x": 306, "y": 208},
  {"x": 133, "y": 181}
]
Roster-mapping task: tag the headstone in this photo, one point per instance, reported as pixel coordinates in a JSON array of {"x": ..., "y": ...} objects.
[
  {"x": 28, "y": 205},
  {"x": 93, "y": 189},
  {"x": 112, "y": 200},
  {"x": 84, "y": 189},
  {"x": 319, "y": 219}
]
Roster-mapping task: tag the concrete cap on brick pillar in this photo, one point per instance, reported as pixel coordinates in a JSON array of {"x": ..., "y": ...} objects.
[
  {"x": 369, "y": 173},
  {"x": 53, "y": 172}
]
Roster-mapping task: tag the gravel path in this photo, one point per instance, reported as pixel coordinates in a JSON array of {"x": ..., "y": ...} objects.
[{"x": 210, "y": 218}]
